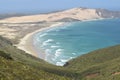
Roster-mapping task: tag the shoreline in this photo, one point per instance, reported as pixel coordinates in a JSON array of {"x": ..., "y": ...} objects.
[{"x": 26, "y": 43}]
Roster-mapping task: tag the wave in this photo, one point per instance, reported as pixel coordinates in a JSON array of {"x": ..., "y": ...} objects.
[
  {"x": 47, "y": 42},
  {"x": 74, "y": 53},
  {"x": 71, "y": 58},
  {"x": 59, "y": 63},
  {"x": 55, "y": 46},
  {"x": 44, "y": 44},
  {"x": 52, "y": 29},
  {"x": 64, "y": 60},
  {"x": 42, "y": 35},
  {"x": 58, "y": 52}
]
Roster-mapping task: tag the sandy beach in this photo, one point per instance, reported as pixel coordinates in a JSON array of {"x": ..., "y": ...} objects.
[{"x": 26, "y": 43}]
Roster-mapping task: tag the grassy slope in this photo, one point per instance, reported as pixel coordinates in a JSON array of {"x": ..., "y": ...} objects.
[
  {"x": 98, "y": 65},
  {"x": 14, "y": 70}
]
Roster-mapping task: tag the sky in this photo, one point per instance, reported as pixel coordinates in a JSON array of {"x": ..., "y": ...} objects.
[{"x": 44, "y": 6}]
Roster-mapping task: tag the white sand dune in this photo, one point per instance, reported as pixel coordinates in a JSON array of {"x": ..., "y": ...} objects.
[{"x": 76, "y": 13}]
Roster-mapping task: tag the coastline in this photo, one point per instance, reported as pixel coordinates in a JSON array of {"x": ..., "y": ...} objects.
[{"x": 26, "y": 43}]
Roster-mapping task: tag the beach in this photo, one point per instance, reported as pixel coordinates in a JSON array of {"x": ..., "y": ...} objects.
[{"x": 26, "y": 43}]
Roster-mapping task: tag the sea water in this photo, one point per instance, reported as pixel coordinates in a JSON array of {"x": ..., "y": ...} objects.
[{"x": 71, "y": 40}]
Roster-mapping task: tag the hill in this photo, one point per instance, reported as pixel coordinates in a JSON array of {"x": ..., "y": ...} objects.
[
  {"x": 101, "y": 64},
  {"x": 75, "y": 14}
]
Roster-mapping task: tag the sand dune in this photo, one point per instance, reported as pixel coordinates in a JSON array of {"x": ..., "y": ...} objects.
[
  {"x": 12, "y": 27},
  {"x": 76, "y": 13}
]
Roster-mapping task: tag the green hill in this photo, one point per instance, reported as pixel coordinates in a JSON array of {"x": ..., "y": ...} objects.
[
  {"x": 103, "y": 64},
  {"x": 14, "y": 70}
]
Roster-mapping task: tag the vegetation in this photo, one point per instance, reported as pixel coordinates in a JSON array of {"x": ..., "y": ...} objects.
[
  {"x": 101, "y": 64},
  {"x": 13, "y": 70},
  {"x": 98, "y": 65}
]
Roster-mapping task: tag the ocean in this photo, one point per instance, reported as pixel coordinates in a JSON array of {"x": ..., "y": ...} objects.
[{"x": 74, "y": 39}]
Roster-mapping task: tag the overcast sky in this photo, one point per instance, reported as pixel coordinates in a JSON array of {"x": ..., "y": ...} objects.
[{"x": 40, "y": 6}]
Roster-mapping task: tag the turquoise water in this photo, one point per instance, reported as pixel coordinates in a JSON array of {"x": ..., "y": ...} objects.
[{"x": 74, "y": 39}]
